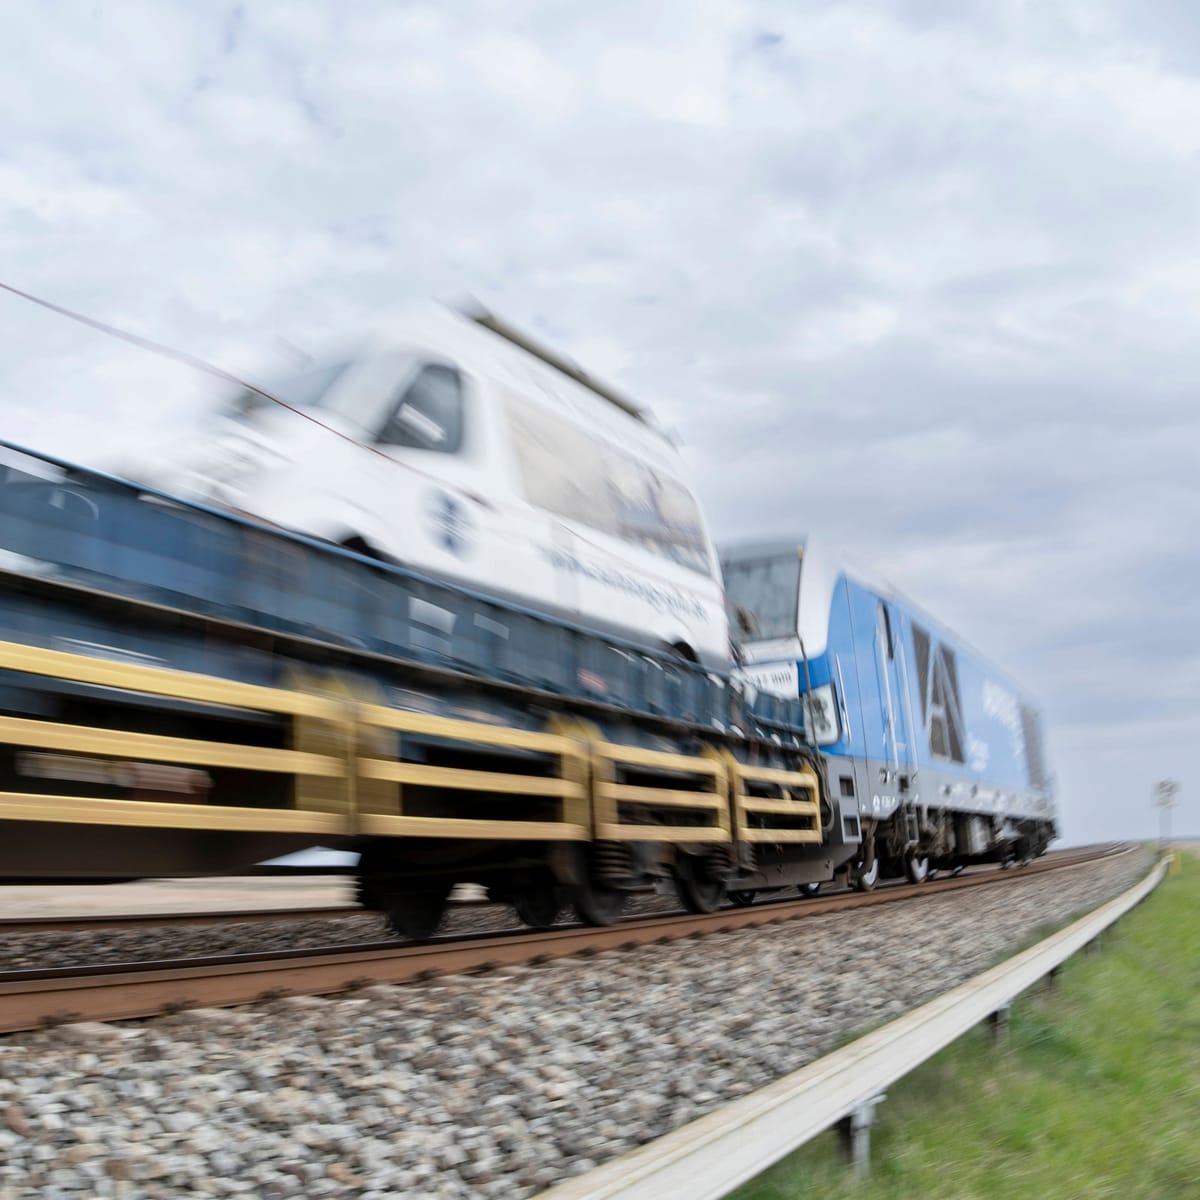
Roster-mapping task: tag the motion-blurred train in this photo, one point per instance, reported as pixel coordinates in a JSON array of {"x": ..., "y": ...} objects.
[
  {"x": 451, "y": 605},
  {"x": 931, "y": 758}
]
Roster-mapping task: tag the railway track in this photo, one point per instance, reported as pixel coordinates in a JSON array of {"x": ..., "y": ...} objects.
[
  {"x": 33, "y": 999},
  {"x": 87, "y": 923},
  {"x": 168, "y": 920}
]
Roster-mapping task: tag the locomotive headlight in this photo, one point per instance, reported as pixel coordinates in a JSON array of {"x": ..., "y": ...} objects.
[{"x": 822, "y": 711}]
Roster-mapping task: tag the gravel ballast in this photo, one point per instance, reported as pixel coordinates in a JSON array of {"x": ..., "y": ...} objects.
[{"x": 491, "y": 1086}]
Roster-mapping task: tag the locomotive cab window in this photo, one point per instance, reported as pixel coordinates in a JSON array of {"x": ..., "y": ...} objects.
[
  {"x": 429, "y": 413},
  {"x": 763, "y": 596}
]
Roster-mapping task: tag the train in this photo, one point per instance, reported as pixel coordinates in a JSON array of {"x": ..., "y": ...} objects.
[
  {"x": 939, "y": 754},
  {"x": 189, "y": 687}
]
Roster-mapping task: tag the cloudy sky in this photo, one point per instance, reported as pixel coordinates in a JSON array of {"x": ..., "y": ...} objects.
[{"x": 920, "y": 276}]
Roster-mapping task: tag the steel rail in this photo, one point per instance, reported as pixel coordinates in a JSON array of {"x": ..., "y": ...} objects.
[
  {"x": 32, "y": 999},
  {"x": 82, "y": 924},
  {"x": 86, "y": 923},
  {"x": 232, "y": 916}
]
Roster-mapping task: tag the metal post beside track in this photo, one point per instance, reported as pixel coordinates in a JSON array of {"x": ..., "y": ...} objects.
[
  {"x": 854, "y": 1133},
  {"x": 713, "y": 1155}
]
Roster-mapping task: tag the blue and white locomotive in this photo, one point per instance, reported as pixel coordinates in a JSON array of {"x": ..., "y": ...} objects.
[{"x": 932, "y": 758}]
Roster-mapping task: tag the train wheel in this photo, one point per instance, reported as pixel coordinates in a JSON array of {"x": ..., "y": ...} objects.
[
  {"x": 417, "y": 915},
  {"x": 865, "y": 878},
  {"x": 597, "y": 905},
  {"x": 742, "y": 899},
  {"x": 537, "y": 907},
  {"x": 916, "y": 867},
  {"x": 593, "y": 894},
  {"x": 810, "y": 889},
  {"x": 955, "y": 872},
  {"x": 699, "y": 896},
  {"x": 696, "y": 887}
]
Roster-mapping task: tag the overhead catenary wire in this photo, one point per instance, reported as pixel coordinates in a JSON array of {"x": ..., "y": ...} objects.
[
  {"x": 182, "y": 357},
  {"x": 203, "y": 365}
]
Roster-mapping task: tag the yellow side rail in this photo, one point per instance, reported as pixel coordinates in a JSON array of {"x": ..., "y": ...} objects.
[
  {"x": 344, "y": 773},
  {"x": 381, "y": 811},
  {"x": 62, "y": 747},
  {"x": 650, "y": 812},
  {"x": 774, "y": 804}
]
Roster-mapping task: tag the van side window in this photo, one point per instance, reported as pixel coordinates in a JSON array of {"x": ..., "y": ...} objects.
[
  {"x": 574, "y": 474},
  {"x": 429, "y": 415}
]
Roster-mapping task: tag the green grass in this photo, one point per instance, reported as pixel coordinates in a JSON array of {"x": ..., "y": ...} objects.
[{"x": 1095, "y": 1094}]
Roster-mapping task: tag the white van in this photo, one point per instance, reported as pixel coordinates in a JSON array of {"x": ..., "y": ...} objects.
[{"x": 462, "y": 449}]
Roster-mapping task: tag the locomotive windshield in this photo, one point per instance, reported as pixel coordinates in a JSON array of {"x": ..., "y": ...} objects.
[{"x": 763, "y": 595}]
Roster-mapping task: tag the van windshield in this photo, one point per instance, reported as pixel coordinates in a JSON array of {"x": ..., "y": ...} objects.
[
  {"x": 766, "y": 590},
  {"x": 309, "y": 389}
]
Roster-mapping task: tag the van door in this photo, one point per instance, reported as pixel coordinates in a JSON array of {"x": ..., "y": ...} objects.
[
  {"x": 430, "y": 507},
  {"x": 550, "y": 463},
  {"x": 450, "y": 512}
]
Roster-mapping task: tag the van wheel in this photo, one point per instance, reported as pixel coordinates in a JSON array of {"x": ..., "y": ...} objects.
[{"x": 360, "y": 546}]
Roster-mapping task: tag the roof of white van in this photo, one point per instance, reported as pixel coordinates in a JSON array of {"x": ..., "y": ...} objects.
[
  {"x": 568, "y": 367},
  {"x": 448, "y": 324}
]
